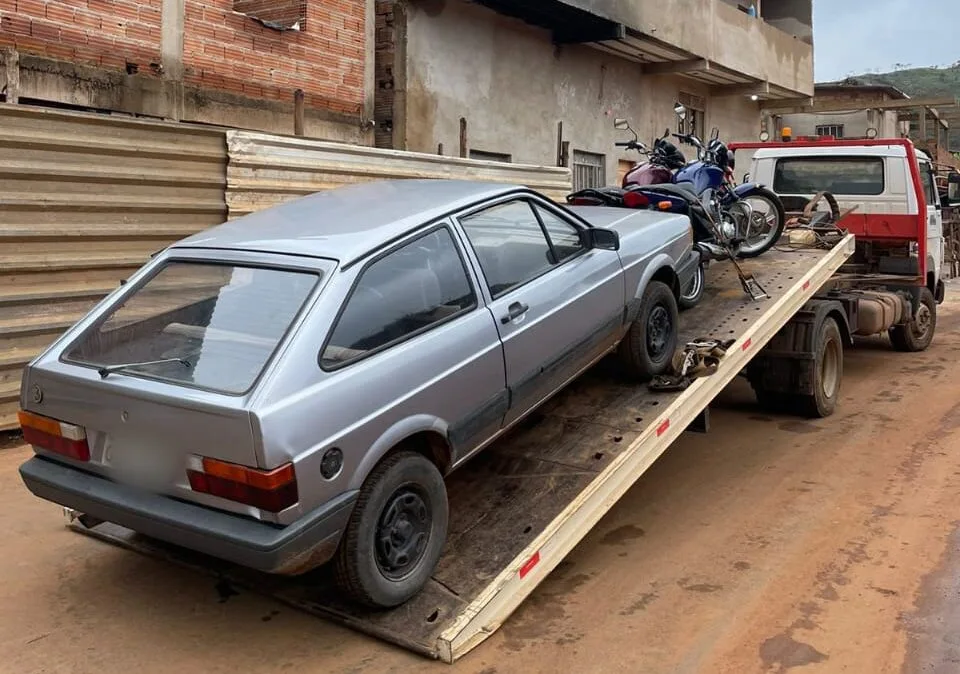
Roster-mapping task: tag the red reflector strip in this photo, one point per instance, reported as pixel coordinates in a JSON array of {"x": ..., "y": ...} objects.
[
  {"x": 806, "y": 284},
  {"x": 746, "y": 345},
  {"x": 530, "y": 564},
  {"x": 663, "y": 428},
  {"x": 75, "y": 449}
]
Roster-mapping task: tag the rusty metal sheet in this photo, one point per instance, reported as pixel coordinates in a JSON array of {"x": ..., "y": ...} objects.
[
  {"x": 84, "y": 200},
  {"x": 264, "y": 170}
]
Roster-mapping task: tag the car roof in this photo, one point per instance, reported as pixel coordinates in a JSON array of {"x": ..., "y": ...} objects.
[{"x": 347, "y": 223}]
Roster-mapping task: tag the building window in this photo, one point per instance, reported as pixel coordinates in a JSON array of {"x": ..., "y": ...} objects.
[
  {"x": 490, "y": 156},
  {"x": 589, "y": 170},
  {"x": 696, "y": 119},
  {"x": 835, "y": 130}
]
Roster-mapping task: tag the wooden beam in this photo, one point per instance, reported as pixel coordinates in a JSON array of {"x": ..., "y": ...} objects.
[
  {"x": 670, "y": 67},
  {"x": 753, "y": 89},
  {"x": 854, "y": 106}
]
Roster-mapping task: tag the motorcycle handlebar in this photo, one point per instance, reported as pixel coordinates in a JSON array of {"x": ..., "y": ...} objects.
[{"x": 627, "y": 144}]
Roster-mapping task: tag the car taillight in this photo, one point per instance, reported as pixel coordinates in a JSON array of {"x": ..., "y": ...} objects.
[
  {"x": 53, "y": 435},
  {"x": 272, "y": 490},
  {"x": 635, "y": 200}
]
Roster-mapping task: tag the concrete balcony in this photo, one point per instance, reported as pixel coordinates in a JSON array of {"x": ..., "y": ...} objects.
[{"x": 714, "y": 42}]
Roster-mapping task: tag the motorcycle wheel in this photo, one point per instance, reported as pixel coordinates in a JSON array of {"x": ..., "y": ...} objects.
[
  {"x": 772, "y": 208},
  {"x": 692, "y": 294}
]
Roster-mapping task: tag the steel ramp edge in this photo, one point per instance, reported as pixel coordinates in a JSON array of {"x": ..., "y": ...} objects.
[{"x": 478, "y": 584}]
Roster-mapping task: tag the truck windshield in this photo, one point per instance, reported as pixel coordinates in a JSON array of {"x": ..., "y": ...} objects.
[
  {"x": 839, "y": 175},
  {"x": 206, "y": 325}
]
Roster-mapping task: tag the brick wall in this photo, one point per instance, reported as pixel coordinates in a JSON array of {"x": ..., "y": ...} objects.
[
  {"x": 229, "y": 51},
  {"x": 223, "y": 49},
  {"x": 107, "y": 33},
  {"x": 384, "y": 72}
]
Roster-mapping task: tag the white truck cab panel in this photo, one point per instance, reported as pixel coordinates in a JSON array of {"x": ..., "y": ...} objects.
[{"x": 877, "y": 179}]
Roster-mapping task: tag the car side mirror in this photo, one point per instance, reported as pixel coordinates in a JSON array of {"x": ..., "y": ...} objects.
[{"x": 604, "y": 239}]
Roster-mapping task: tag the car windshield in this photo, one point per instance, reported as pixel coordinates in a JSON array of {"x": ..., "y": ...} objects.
[{"x": 207, "y": 325}]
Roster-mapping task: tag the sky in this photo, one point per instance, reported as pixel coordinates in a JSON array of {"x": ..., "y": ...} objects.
[{"x": 857, "y": 36}]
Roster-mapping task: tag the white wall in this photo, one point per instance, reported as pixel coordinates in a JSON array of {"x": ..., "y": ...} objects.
[{"x": 513, "y": 86}]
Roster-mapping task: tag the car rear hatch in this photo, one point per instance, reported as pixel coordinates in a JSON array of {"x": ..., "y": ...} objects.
[{"x": 158, "y": 382}]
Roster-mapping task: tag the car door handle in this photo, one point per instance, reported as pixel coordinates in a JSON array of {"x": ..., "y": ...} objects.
[{"x": 514, "y": 311}]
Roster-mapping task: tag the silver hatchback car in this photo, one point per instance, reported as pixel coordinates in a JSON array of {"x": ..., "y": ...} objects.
[{"x": 291, "y": 387}]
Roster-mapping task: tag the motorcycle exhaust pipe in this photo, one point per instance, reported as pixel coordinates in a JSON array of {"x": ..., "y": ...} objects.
[{"x": 711, "y": 251}]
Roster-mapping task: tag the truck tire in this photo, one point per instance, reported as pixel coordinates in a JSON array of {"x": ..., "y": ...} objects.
[
  {"x": 918, "y": 333},
  {"x": 827, "y": 373},
  {"x": 395, "y": 534},
  {"x": 648, "y": 347}
]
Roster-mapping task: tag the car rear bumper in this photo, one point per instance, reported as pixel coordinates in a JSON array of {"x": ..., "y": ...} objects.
[{"x": 303, "y": 545}]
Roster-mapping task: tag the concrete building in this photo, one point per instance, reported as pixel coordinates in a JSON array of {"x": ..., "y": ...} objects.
[
  {"x": 850, "y": 108},
  {"x": 853, "y": 122},
  {"x": 227, "y": 62},
  {"x": 494, "y": 78}
]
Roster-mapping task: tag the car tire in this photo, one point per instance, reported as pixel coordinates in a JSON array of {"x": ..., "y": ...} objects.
[
  {"x": 647, "y": 349},
  {"x": 395, "y": 534},
  {"x": 917, "y": 335},
  {"x": 693, "y": 293}
]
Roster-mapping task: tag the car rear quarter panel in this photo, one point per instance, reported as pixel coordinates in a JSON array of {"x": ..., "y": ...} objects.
[{"x": 436, "y": 382}]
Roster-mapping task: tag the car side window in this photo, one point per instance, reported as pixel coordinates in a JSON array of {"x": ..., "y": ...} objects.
[
  {"x": 510, "y": 245},
  {"x": 403, "y": 293},
  {"x": 929, "y": 184},
  {"x": 564, "y": 236}
]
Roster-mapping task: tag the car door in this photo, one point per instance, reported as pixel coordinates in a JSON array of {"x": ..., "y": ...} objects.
[{"x": 557, "y": 304}]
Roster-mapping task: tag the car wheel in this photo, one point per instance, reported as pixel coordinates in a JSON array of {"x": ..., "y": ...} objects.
[
  {"x": 691, "y": 295},
  {"x": 648, "y": 347},
  {"x": 396, "y": 532},
  {"x": 917, "y": 334}
]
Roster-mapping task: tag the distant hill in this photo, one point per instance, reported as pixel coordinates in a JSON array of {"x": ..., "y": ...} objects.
[{"x": 923, "y": 82}]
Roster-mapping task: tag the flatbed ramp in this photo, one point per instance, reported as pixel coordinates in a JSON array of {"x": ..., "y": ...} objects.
[{"x": 521, "y": 505}]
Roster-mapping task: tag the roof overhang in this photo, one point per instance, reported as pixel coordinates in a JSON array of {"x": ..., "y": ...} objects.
[
  {"x": 568, "y": 24},
  {"x": 659, "y": 58}
]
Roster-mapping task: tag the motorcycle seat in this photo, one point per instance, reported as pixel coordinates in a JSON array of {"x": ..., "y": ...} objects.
[{"x": 676, "y": 189}]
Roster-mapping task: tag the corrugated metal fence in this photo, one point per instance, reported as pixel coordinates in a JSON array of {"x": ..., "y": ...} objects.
[
  {"x": 264, "y": 170},
  {"x": 84, "y": 200}
]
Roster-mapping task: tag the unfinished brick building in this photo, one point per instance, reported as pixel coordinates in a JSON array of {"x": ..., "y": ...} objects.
[{"x": 230, "y": 62}]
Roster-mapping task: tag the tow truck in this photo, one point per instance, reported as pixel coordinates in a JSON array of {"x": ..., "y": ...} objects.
[{"x": 522, "y": 505}]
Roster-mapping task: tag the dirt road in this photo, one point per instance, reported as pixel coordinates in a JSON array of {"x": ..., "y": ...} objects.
[{"x": 770, "y": 545}]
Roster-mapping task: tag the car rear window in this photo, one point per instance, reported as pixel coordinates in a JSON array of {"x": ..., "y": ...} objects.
[
  {"x": 211, "y": 326},
  {"x": 838, "y": 175}
]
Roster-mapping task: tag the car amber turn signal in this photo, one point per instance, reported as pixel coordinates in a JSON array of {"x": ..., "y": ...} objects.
[
  {"x": 664, "y": 205},
  {"x": 55, "y": 436},
  {"x": 272, "y": 490}
]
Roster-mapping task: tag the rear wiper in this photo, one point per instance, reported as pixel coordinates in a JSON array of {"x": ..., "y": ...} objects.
[{"x": 107, "y": 369}]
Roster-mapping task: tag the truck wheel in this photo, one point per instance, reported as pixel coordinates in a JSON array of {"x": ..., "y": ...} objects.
[
  {"x": 918, "y": 333},
  {"x": 396, "y": 532},
  {"x": 648, "y": 347},
  {"x": 827, "y": 373},
  {"x": 691, "y": 295}
]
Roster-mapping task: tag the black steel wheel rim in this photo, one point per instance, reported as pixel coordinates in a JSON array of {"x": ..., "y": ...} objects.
[
  {"x": 403, "y": 532},
  {"x": 659, "y": 327}
]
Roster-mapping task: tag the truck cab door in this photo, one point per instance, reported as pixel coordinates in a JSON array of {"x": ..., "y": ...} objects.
[{"x": 935, "y": 252}]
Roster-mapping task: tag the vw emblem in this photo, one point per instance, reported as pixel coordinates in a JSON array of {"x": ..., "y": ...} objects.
[{"x": 36, "y": 393}]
